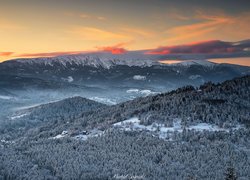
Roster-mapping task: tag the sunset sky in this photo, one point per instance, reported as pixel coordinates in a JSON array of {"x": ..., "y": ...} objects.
[{"x": 33, "y": 28}]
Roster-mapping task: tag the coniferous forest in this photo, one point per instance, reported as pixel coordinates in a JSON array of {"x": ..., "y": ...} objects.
[{"x": 77, "y": 138}]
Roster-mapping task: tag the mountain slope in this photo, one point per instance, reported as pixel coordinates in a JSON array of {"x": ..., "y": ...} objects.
[
  {"x": 116, "y": 71},
  {"x": 91, "y": 145},
  {"x": 225, "y": 105},
  {"x": 55, "y": 112}
]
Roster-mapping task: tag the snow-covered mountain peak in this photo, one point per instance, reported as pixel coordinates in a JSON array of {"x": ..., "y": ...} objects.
[{"x": 100, "y": 59}]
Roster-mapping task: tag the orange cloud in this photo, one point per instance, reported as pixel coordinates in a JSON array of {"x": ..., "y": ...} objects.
[
  {"x": 84, "y": 15},
  {"x": 6, "y": 53},
  {"x": 176, "y": 15},
  {"x": 207, "y": 25},
  {"x": 91, "y": 33},
  {"x": 115, "y": 49},
  {"x": 239, "y": 28},
  {"x": 101, "y": 18},
  {"x": 137, "y": 31},
  {"x": 88, "y": 16}
]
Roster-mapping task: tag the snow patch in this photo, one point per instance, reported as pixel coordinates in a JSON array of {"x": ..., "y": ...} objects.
[
  {"x": 68, "y": 79},
  {"x": 81, "y": 136},
  {"x": 5, "y": 97},
  {"x": 131, "y": 121},
  {"x": 3, "y": 141},
  {"x": 103, "y": 100},
  {"x": 156, "y": 129},
  {"x": 133, "y": 91},
  {"x": 58, "y": 136},
  {"x": 62, "y": 135},
  {"x": 90, "y": 134},
  {"x": 193, "y": 77},
  {"x": 139, "y": 78},
  {"x": 246, "y": 49},
  {"x": 147, "y": 92},
  {"x": 18, "y": 116},
  {"x": 164, "y": 132},
  {"x": 143, "y": 92},
  {"x": 205, "y": 126}
]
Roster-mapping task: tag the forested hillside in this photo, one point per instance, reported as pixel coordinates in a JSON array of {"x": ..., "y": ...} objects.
[
  {"x": 79, "y": 139},
  {"x": 226, "y": 105},
  {"x": 59, "y": 112}
]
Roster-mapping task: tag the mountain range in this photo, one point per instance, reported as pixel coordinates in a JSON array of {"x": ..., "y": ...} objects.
[{"x": 104, "y": 77}]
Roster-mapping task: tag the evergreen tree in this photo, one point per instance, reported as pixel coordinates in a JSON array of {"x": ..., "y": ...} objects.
[{"x": 230, "y": 174}]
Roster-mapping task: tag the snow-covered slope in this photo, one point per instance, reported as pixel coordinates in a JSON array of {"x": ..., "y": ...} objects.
[
  {"x": 160, "y": 130},
  {"x": 103, "y": 59}
]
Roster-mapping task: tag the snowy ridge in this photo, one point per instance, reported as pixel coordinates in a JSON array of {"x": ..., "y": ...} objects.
[
  {"x": 194, "y": 62},
  {"x": 105, "y": 60}
]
